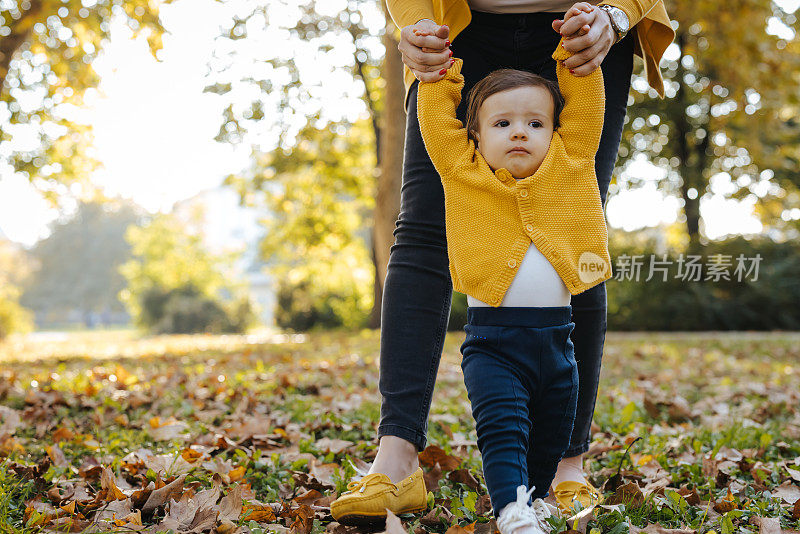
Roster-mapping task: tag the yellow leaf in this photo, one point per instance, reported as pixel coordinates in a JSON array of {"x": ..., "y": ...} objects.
[{"x": 236, "y": 474}]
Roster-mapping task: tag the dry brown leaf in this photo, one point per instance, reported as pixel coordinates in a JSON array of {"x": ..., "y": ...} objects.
[
  {"x": 109, "y": 491},
  {"x": 258, "y": 512},
  {"x": 788, "y": 492},
  {"x": 323, "y": 472},
  {"x": 301, "y": 520},
  {"x": 393, "y": 524},
  {"x": 628, "y": 494},
  {"x": 432, "y": 478},
  {"x": 464, "y": 477},
  {"x": 437, "y": 517},
  {"x": 457, "y": 529},
  {"x": 168, "y": 431},
  {"x": 63, "y": 434},
  {"x": 335, "y": 446},
  {"x": 10, "y": 420},
  {"x": 57, "y": 456},
  {"x": 162, "y": 495},
  {"x": 230, "y": 507},
  {"x": 433, "y": 455},
  {"x": 204, "y": 520},
  {"x": 767, "y": 525}
]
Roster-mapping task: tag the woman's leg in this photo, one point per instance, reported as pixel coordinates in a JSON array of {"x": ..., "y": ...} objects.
[
  {"x": 589, "y": 307},
  {"x": 417, "y": 291},
  {"x": 415, "y": 310}
]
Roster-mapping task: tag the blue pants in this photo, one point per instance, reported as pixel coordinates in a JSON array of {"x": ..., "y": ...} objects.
[
  {"x": 522, "y": 381},
  {"x": 418, "y": 289}
]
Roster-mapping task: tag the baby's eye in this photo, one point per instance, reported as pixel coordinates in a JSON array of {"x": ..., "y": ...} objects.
[
  {"x": 501, "y": 123},
  {"x": 536, "y": 124}
]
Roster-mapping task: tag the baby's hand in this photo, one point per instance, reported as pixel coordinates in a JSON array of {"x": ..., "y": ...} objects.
[
  {"x": 576, "y": 9},
  {"x": 423, "y": 33}
]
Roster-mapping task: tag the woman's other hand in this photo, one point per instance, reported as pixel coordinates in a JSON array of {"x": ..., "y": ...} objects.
[
  {"x": 426, "y": 49},
  {"x": 588, "y": 36}
]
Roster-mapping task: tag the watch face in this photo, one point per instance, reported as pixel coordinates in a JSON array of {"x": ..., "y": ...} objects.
[{"x": 620, "y": 19}]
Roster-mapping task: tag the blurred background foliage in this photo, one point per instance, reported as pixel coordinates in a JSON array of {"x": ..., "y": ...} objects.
[
  {"x": 327, "y": 188},
  {"x": 175, "y": 285}
]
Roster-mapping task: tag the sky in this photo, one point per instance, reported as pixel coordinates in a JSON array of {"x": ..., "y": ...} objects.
[{"x": 154, "y": 133}]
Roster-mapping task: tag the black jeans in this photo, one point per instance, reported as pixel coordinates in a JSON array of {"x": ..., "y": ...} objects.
[
  {"x": 417, "y": 292},
  {"x": 522, "y": 380}
]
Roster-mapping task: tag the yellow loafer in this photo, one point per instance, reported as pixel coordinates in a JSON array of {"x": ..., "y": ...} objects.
[
  {"x": 366, "y": 500},
  {"x": 570, "y": 490}
]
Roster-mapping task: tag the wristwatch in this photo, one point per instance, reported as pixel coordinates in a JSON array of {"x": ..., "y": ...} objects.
[{"x": 619, "y": 20}]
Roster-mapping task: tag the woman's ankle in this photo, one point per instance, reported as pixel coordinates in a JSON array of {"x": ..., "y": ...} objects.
[
  {"x": 570, "y": 469},
  {"x": 396, "y": 458}
]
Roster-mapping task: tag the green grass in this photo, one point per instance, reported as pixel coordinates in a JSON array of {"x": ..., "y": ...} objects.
[{"x": 739, "y": 392}]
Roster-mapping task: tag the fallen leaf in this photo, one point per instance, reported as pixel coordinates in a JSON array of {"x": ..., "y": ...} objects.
[
  {"x": 109, "y": 491},
  {"x": 335, "y": 446},
  {"x": 230, "y": 507},
  {"x": 457, "y": 529},
  {"x": 767, "y": 525},
  {"x": 788, "y": 492},
  {"x": 10, "y": 420},
  {"x": 628, "y": 494},
  {"x": 433, "y": 455},
  {"x": 393, "y": 524},
  {"x": 432, "y": 478},
  {"x": 464, "y": 477},
  {"x": 162, "y": 495}
]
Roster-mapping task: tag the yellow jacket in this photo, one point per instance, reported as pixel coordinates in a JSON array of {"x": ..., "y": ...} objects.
[
  {"x": 648, "y": 19},
  {"x": 491, "y": 218}
]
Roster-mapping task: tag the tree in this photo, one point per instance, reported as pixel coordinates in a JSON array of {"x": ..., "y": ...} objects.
[
  {"x": 318, "y": 198},
  {"x": 77, "y": 265},
  {"x": 363, "y": 27},
  {"x": 173, "y": 281},
  {"x": 731, "y": 108},
  {"x": 46, "y": 53},
  {"x": 14, "y": 267}
]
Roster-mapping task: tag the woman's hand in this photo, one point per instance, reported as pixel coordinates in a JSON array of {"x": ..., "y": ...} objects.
[
  {"x": 426, "y": 50},
  {"x": 589, "y": 36}
]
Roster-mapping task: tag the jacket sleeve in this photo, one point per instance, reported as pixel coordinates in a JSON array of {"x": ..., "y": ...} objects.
[
  {"x": 407, "y": 12},
  {"x": 445, "y": 137},
  {"x": 634, "y": 9},
  {"x": 584, "y": 107}
]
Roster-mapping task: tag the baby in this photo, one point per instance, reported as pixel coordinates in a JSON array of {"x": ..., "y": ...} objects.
[{"x": 525, "y": 231}]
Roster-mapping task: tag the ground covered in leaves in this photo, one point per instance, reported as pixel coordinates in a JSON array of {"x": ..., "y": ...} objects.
[{"x": 238, "y": 434}]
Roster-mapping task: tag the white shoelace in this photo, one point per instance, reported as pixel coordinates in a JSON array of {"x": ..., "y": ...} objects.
[{"x": 518, "y": 514}]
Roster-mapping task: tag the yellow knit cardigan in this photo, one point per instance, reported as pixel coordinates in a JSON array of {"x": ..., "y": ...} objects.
[
  {"x": 648, "y": 19},
  {"x": 491, "y": 218}
]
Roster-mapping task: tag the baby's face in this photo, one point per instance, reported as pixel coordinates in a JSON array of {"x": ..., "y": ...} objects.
[{"x": 514, "y": 129}]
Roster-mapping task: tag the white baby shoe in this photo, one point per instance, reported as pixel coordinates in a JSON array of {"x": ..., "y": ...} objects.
[{"x": 519, "y": 518}]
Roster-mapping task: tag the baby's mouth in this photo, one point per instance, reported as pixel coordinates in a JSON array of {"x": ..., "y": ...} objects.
[{"x": 518, "y": 150}]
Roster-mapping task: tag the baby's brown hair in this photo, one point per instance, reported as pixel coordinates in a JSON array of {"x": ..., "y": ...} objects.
[{"x": 503, "y": 80}]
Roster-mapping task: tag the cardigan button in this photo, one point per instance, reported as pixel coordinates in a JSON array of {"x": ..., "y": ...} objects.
[
  {"x": 529, "y": 227},
  {"x": 523, "y": 193},
  {"x": 512, "y": 263}
]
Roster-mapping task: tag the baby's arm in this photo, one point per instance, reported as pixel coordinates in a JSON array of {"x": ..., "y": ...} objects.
[
  {"x": 584, "y": 107},
  {"x": 445, "y": 137}
]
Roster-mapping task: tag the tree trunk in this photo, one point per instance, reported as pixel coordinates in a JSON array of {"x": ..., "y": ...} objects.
[
  {"x": 684, "y": 148},
  {"x": 392, "y": 137}
]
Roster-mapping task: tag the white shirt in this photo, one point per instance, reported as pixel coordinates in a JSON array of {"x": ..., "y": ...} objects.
[{"x": 536, "y": 284}]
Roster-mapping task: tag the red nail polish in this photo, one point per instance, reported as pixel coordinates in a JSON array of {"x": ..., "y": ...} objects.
[
  {"x": 451, "y": 53},
  {"x": 571, "y": 71},
  {"x": 442, "y": 71},
  {"x": 446, "y": 44},
  {"x": 452, "y": 61}
]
